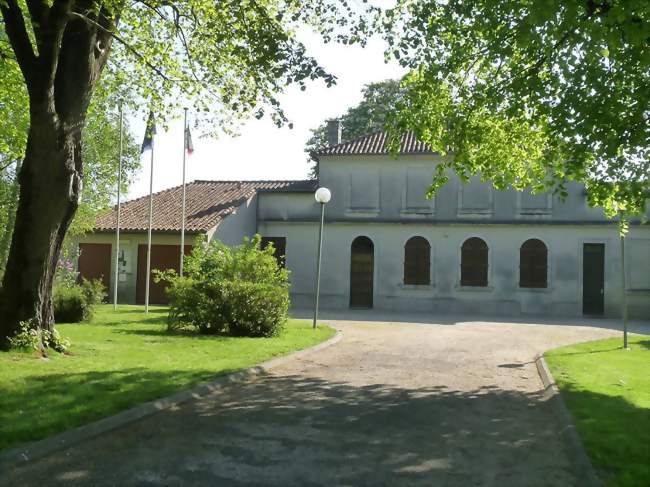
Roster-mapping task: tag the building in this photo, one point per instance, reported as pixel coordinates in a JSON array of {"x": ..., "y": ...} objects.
[{"x": 470, "y": 249}]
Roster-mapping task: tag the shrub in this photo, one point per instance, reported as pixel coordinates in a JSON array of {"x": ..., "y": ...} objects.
[
  {"x": 238, "y": 290},
  {"x": 94, "y": 292},
  {"x": 69, "y": 304},
  {"x": 76, "y": 303}
]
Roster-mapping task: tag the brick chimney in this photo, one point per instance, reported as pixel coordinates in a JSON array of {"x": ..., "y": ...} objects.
[{"x": 334, "y": 128}]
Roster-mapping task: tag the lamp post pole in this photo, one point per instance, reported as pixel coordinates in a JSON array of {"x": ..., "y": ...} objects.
[
  {"x": 624, "y": 291},
  {"x": 320, "y": 248},
  {"x": 117, "y": 224},
  {"x": 322, "y": 196}
]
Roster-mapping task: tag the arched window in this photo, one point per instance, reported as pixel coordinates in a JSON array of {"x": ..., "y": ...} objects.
[
  {"x": 474, "y": 263},
  {"x": 417, "y": 259},
  {"x": 533, "y": 264},
  {"x": 362, "y": 261}
]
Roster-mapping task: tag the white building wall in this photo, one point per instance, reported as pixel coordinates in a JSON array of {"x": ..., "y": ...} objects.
[
  {"x": 563, "y": 297},
  {"x": 239, "y": 224}
]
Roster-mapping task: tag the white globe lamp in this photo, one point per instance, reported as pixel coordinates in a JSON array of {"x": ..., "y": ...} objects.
[{"x": 323, "y": 195}]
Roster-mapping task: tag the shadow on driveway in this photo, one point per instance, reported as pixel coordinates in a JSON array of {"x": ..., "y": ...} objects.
[{"x": 297, "y": 430}]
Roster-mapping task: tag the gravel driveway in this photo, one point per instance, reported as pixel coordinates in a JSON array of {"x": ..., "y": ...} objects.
[{"x": 456, "y": 404}]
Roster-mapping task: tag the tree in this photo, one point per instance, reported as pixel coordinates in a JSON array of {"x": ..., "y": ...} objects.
[
  {"x": 100, "y": 153},
  {"x": 530, "y": 93},
  {"x": 370, "y": 115},
  {"x": 228, "y": 58}
]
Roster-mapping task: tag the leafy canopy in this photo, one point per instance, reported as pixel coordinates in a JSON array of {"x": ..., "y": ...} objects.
[
  {"x": 530, "y": 93},
  {"x": 228, "y": 59}
]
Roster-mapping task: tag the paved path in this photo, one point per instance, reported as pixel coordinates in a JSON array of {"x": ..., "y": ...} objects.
[{"x": 391, "y": 404}]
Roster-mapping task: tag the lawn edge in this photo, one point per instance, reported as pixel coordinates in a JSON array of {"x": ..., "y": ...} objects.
[
  {"x": 579, "y": 456},
  {"x": 36, "y": 450}
]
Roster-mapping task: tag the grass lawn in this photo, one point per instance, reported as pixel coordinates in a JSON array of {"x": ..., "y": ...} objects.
[
  {"x": 118, "y": 360},
  {"x": 607, "y": 390}
]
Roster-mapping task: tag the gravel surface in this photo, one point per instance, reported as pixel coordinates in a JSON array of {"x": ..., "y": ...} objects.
[{"x": 455, "y": 404}]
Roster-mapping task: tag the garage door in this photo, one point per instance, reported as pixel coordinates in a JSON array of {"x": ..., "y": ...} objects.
[
  {"x": 163, "y": 257},
  {"x": 95, "y": 262}
]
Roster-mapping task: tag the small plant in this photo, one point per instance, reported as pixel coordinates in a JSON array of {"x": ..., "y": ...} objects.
[
  {"x": 30, "y": 337},
  {"x": 237, "y": 290},
  {"x": 27, "y": 337}
]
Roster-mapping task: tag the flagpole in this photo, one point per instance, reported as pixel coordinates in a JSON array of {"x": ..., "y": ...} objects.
[
  {"x": 117, "y": 232},
  {"x": 148, "y": 278},
  {"x": 183, "y": 204}
]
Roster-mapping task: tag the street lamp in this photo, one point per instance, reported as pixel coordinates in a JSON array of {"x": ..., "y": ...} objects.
[{"x": 322, "y": 196}]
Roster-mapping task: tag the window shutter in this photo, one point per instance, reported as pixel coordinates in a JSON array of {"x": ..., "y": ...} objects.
[
  {"x": 533, "y": 264},
  {"x": 474, "y": 263},
  {"x": 417, "y": 261}
]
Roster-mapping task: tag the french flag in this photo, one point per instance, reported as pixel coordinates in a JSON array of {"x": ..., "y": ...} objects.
[{"x": 189, "y": 146}]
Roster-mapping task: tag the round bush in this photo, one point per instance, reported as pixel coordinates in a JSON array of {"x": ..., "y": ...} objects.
[
  {"x": 69, "y": 304},
  {"x": 237, "y": 290},
  {"x": 76, "y": 303}
]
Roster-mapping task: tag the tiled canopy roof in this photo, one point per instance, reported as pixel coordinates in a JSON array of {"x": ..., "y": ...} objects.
[
  {"x": 375, "y": 144},
  {"x": 207, "y": 203}
]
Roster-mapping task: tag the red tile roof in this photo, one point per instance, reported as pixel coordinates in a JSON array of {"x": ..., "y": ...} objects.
[
  {"x": 207, "y": 203},
  {"x": 375, "y": 144}
]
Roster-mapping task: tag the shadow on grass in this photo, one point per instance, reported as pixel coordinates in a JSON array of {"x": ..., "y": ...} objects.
[
  {"x": 616, "y": 434},
  {"x": 297, "y": 430},
  {"x": 48, "y": 404},
  {"x": 162, "y": 331},
  {"x": 155, "y": 317},
  {"x": 644, "y": 343}
]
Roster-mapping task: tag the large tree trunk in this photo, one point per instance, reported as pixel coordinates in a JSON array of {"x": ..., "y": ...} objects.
[
  {"x": 50, "y": 189},
  {"x": 73, "y": 40}
]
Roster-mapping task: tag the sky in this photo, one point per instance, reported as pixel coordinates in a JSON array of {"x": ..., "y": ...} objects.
[{"x": 262, "y": 150}]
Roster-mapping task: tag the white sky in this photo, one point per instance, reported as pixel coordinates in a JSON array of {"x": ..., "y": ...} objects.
[{"x": 263, "y": 151}]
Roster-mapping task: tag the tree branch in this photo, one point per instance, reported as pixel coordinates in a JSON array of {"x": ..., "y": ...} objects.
[
  {"x": 128, "y": 46},
  {"x": 52, "y": 34},
  {"x": 18, "y": 37}
]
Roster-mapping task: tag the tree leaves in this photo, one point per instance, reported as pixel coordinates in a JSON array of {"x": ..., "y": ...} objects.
[{"x": 531, "y": 93}]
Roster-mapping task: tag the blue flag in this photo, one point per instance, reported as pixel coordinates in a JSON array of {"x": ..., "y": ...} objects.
[{"x": 147, "y": 142}]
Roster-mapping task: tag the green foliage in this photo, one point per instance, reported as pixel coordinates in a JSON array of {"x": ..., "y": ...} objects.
[
  {"x": 8, "y": 202},
  {"x": 31, "y": 338},
  {"x": 76, "y": 303},
  {"x": 530, "y": 93},
  {"x": 370, "y": 115},
  {"x": 238, "y": 290},
  {"x": 227, "y": 59}
]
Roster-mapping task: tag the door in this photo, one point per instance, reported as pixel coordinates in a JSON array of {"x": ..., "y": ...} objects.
[
  {"x": 593, "y": 279},
  {"x": 95, "y": 262},
  {"x": 163, "y": 257},
  {"x": 361, "y": 272}
]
